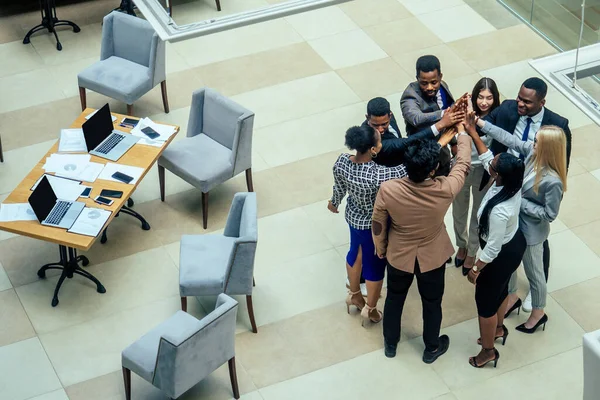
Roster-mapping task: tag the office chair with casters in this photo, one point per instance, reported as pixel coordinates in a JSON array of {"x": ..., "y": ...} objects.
[
  {"x": 132, "y": 62},
  {"x": 182, "y": 351},
  {"x": 218, "y": 146},
  {"x": 213, "y": 264},
  {"x": 50, "y": 21}
]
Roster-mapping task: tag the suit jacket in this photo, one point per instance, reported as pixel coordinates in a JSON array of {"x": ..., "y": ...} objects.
[
  {"x": 537, "y": 209},
  {"x": 420, "y": 112},
  {"x": 408, "y": 217},
  {"x": 393, "y": 148}
]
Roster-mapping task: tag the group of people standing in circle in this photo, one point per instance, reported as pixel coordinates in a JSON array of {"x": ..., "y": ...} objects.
[{"x": 503, "y": 169}]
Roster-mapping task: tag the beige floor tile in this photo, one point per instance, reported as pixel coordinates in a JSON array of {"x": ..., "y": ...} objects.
[
  {"x": 56, "y": 395},
  {"x": 252, "y": 396},
  {"x": 322, "y": 22},
  {"x": 238, "y": 42},
  {"x": 18, "y": 58},
  {"x": 558, "y": 377},
  {"x": 395, "y": 38},
  {"x": 580, "y": 302},
  {"x": 576, "y": 209},
  {"x": 319, "y": 93},
  {"x": 447, "y": 396},
  {"x": 405, "y": 371},
  {"x": 111, "y": 335},
  {"x": 175, "y": 62},
  {"x": 25, "y": 370},
  {"x": 152, "y": 273},
  {"x": 187, "y": 12},
  {"x": 17, "y": 326},
  {"x": 575, "y": 168},
  {"x": 364, "y": 14},
  {"x": 65, "y": 75},
  {"x": 462, "y": 85},
  {"x": 456, "y": 23},
  {"x": 4, "y": 281},
  {"x": 21, "y": 257},
  {"x": 334, "y": 226},
  {"x": 452, "y": 65},
  {"x": 173, "y": 251},
  {"x": 340, "y": 50},
  {"x": 565, "y": 108},
  {"x": 561, "y": 334},
  {"x": 291, "y": 141},
  {"x": 28, "y": 89},
  {"x": 557, "y": 226},
  {"x": 426, "y": 6},
  {"x": 84, "y": 44},
  {"x": 588, "y": 233},
  {"x": 586, "y": 147},
  {"x": 571, "y": 261},
  {"x": 10, "y": 30},
  {"x": 510, "y": 77},
  {"x": 18, "y": 163},
  {"x": 494, "y": 12},
  {"x": 263, "y": 69},
  {"x": 110, "y": 387},
  {"x": 391, "y": 78},
  {"x": 501, "y": 47}
]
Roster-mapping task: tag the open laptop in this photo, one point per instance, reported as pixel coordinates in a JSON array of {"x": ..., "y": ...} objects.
[
  {"x": 49, "y": 210},
  {"x": 102, "y": 140}
]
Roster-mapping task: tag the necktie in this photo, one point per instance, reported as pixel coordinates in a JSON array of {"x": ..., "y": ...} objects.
[{"x": 526, "y": 134}]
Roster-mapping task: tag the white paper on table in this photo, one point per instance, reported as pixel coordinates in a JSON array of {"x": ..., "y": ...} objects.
[
  {"x": 90, "y": 221},
  {"x": 72, "y": 141},
  {"x": 64, "y": 189},
  {"x": 165, "y": 131},
  {"x": 150, "y": 142},
  {"x": 16, "y": 212},
  {"x": 89, "y": 173},
  {"x": 111, "y": 168},
  {"x": 94, "y": 112},
  {"x": 70, "y": 164}
]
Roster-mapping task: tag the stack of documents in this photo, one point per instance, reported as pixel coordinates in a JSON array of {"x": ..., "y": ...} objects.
[
  {"x": 72, "y": 141},
  {"x": 16, "y": 212},
  {"x": 64, "y": 189},
  {"x": 90, "y": 222},
  {"x": 111, "y": 168},
  {"x": 94, "y": 112},
  {"x": 74, "y": 166},
  {"x": 165, "y": 132}
]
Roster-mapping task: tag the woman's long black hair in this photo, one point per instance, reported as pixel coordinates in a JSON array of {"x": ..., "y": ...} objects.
[{"x": 511, "y": 169}]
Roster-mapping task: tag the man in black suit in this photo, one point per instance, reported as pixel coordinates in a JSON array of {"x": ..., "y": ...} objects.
[{"x": 523, "y": 117}]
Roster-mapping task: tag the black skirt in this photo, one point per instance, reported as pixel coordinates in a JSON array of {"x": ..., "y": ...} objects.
[{"x": 492, "y": 284}]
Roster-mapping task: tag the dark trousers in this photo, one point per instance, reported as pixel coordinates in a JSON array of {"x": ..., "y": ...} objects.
[
  {"x": 546, "y": 257},
  {"x": 431, "y": 289}
]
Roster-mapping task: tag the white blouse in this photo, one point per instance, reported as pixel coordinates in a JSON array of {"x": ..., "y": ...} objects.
[{"x": 504, "y": 217}]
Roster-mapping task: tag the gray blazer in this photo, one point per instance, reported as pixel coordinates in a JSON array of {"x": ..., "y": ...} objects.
[
  {"x": 537, "y": 210},
  {"x": 418, "y": 112}
]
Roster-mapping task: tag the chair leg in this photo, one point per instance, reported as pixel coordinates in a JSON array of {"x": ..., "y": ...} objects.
[
  {"x": 161, "y": 181},
  {"x": 127, "y": 382},
  {"x": 218, "y": 5},
  {"x": 130, "y": 109},
  {"x": 184, "y": 304},
  {"x": 251, "y": 313},
  {"x": 233, "y": 377},
  {"x": 163, "y": 89},
  {"x": 82, "y": 98},
  {"x": 1, "y": 154},
  {"x": 253, "y": 282},
  {"x": 205, "y": 209},
  {"x": 249, "y": 180}
]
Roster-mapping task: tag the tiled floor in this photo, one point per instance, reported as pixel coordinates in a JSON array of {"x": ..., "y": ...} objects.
[{"x": 307, "y": 77}]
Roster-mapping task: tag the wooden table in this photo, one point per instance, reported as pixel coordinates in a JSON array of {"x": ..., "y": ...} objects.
[{"x": 139, "y": 156}]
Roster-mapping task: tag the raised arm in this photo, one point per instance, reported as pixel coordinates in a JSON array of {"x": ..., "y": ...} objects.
[
  {"x": 459, "y": 172},
  {"x": 411, "y": 110},
  {"x": 511, "y": 141},
  {"x": 385, "y": 174},
  {"x": 549, "y": 210},
  {"x": 380, "y": 224}
]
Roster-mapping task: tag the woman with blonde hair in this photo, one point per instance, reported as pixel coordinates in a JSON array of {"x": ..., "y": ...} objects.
[{"x": 544, "y": 183}]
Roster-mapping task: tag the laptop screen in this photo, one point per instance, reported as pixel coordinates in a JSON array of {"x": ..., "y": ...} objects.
[
  {"x": 43, "y": 199},
  {"x": 97, "y": 128}
]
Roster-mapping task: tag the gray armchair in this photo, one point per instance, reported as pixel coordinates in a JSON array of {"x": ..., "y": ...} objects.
[
  {"x": 183, "y": 350},
  {"x": 214, "y": 264},
  {"x": 217, "y": 148},
  {"x": 132, "y": 62}
]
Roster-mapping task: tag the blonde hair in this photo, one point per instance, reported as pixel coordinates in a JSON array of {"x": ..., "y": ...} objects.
[{"x": 550, "y": 152}]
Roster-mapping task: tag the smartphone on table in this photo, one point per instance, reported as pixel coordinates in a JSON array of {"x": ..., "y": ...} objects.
[
  {"x": 103, "y": 200},
  {"x": 115, "y": 194},
  {"x": 151, "y": 133},
  {"x": 122, "y": 177}
]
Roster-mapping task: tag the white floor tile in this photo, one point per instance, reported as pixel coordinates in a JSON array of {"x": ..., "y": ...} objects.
[
  {"x": 456, "y": 23},
  {"x": 347, "y": 49}
]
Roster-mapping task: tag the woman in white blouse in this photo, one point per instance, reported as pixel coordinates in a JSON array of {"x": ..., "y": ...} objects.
[{"x": 503, "y": 245}]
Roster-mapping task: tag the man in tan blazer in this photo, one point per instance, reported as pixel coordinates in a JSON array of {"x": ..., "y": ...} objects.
[{"x": 409, "y": 229}]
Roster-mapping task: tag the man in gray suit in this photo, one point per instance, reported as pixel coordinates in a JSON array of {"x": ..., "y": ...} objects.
[{"x": 424, "y": 102}]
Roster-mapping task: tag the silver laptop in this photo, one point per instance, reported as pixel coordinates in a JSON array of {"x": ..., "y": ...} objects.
[
  {"x": 51, "y": 211},
  {"x": 100, "y": 138}
]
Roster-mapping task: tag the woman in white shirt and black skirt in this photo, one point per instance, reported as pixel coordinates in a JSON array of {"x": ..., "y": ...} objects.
[{"x": 503, "y": 245}]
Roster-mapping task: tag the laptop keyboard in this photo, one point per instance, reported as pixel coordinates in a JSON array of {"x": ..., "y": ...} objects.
[
  {"x": 112, "y": 141},
  {"x": 58, "y": 212}
]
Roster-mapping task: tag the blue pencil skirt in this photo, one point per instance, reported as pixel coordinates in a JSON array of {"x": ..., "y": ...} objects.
[{"x": 373, "y": 267}]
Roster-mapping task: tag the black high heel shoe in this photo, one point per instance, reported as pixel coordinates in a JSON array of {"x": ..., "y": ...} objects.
[
  {"x": 504, "y": 336},
  {"x": 516, "y": 306},
  {"x": 473, "y": 360},
  {"x": 458, "y": 262},
  {"x": 542, "y": 321},
  {"x": 465, "y": 271}
]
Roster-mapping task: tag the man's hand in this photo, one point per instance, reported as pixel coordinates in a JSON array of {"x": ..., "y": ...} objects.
[
  {"x": 469, "y": 123},
  {"x": 450, "y": 118},
  {"x": 472, "y": 276},
  {"x": 382, "y": 256},
  {"x": 447, "y": 136},
  {"x": 332, "y": 208}
]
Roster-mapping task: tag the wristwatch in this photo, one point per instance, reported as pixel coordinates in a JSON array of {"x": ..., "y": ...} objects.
[{"x": 475, "y": 269}]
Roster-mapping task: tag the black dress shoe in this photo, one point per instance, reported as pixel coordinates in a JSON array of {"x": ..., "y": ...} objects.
[
  {"x": 458, "y": 262},
  {"x": 542, "y": 321},
  {"x": 389, "y": 350},
  {"x": 449, "y": 261},
  {"x": 516, "y": 306},
  {"x": 430, "y": 356}
]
